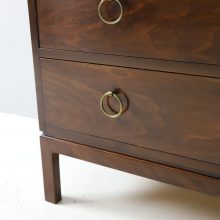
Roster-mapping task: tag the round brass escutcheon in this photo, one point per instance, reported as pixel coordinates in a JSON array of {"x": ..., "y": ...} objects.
[
  {"x": 111, "y": 94},
  {"x": 106, "y": 21}
]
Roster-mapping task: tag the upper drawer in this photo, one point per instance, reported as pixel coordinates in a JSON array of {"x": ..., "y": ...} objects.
[{"x": 161, "y": 29}]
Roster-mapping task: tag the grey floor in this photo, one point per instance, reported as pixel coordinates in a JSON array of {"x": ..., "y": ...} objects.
[{"x": 89, "y": 191}]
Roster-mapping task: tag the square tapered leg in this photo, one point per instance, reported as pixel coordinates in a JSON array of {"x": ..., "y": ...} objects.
[{"x": 51, "y": 174}]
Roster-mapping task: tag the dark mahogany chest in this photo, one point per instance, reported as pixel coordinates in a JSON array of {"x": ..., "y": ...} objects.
[{"x": 130, "y": 84}]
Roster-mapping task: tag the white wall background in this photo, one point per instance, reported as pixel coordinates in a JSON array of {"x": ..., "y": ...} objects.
[{"x": 17, "y": 89}]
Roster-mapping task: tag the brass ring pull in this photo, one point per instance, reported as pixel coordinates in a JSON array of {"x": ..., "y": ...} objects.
[
  {"x": 101, "y": 16},
  {"x": 111, "y": 94}
]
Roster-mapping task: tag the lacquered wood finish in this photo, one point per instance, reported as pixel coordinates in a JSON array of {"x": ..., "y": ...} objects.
[
  {"x": 36, "y": 58},
  {"x": 172, "y": 160},
  {"x": 186, "y": 30},
  {"x": 168, "y": 112},
  {"x": 51, "y": 174},
  {"x": 53, "y": 147},
  {"x": 197, "y": 69},
  {"x": 164, "y": 59}
]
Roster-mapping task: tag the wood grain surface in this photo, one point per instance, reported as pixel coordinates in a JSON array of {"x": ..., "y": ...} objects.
[
  {"x": 187, "y": 30},
  {"x": 168, "y": 112},
  {"x": 197, "y": 69},
  {"x": 144, "y": 153},
  {"x": 51, "y": 148},
  {"x": 36, "y": 60},
  {"x": 170, "y": 128}
]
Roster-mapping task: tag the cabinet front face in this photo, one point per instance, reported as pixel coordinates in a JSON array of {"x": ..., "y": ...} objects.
[
  {"x": 187, "y": 30},
  {"x": 169, "y": 112},
  {"x": 133, "y": 85}
]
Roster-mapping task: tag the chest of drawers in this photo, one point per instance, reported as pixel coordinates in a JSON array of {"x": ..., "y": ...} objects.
[{"x": 131, "y": 85}]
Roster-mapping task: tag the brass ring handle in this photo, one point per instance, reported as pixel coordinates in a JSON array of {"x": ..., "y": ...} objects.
[
  {"x": 111, "y": 94},
  {"x": 101, "y": 16}
]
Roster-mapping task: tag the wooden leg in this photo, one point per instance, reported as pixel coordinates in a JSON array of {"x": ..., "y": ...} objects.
[
  {"x": 51, "y": 148},
  {"x": 51, "y": 174}
]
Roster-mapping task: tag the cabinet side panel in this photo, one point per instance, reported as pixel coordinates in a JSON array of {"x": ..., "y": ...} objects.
[{"x": 35, "y": 49}]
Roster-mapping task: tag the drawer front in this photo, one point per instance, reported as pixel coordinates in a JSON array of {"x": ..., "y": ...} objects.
[
  {"x": 169, "y": 112},
  {"x": 161, "y": 29}
]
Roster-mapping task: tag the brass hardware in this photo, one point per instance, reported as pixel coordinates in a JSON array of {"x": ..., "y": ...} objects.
[
  {"x": 111, "y": 94},
  {"x": 101, "y": 16}
]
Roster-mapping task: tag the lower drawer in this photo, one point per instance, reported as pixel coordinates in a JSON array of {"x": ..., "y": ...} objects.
[{"x": 167, "y": 112}]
